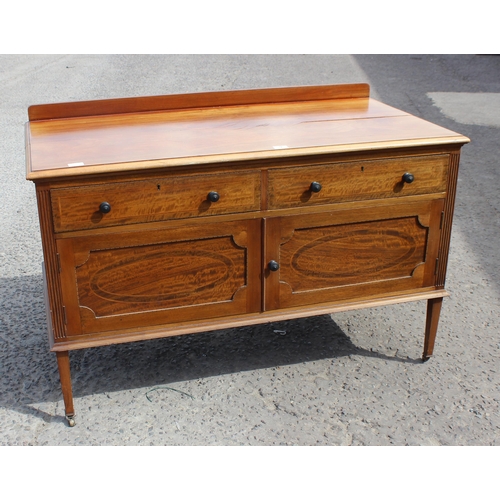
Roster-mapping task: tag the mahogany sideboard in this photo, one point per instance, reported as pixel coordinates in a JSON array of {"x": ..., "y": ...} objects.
[{"x": 178, "y": 214}]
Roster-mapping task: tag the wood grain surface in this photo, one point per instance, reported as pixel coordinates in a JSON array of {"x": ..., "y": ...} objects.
[
  {"x": 356, "y": 180},
  {"x": 310, "y": 123},
  {"x": 196, "y": 100},
  {"x": 154, "y": 277},
  {"x": 155, "y": 199}
]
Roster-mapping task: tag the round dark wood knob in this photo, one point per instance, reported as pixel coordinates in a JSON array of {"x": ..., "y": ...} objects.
[
  {"x": 104, "y": 207},
  {"x": 273, "y": 265},
  {"x": 408, "y": 178},
  {"x": 213, "y": 196},
  {"x": 315, "y": 187}
]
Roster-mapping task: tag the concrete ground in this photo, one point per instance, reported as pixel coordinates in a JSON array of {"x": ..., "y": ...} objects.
[{"x": 350, "y": 379}]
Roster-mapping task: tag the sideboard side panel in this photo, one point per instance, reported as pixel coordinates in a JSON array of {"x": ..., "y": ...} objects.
[
  {"x": 51, "y": 264},
  {"x": 447, "y": 220}
]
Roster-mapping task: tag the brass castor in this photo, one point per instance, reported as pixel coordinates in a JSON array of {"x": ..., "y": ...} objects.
[
  {"x": 71, "y": 420},
  {"x": 425, "y": 358}
]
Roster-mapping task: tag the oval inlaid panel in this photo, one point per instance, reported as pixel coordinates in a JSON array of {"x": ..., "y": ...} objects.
[
  {"x": 357, "y": 245},
  {"x": 186, "y": 274},
  {"x": 161, "y": 276},
  {"x": 348, "y": 254}
]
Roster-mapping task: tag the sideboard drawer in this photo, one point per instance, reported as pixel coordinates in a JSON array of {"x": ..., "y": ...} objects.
[
  {"x": 112, "y": 204},
  {"x": 356, "y": 180}
]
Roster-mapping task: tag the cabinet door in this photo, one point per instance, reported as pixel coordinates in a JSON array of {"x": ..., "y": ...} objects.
[
  {"x": 135, "y": 279},
  {"x": 351, "y": 254}
]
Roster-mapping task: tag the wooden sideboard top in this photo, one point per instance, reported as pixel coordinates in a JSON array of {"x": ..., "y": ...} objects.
[{"x": 130, "y": 134}]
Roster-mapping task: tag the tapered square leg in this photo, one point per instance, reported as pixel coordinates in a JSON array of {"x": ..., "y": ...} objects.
[
  {"x": 65, "y": 376},
  {"x": 431, "y": 325}
]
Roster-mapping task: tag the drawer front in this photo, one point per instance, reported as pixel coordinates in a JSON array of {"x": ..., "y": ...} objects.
[
  {"x": 152, "y": 200},
  {"x": 357, "y": 180}
]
